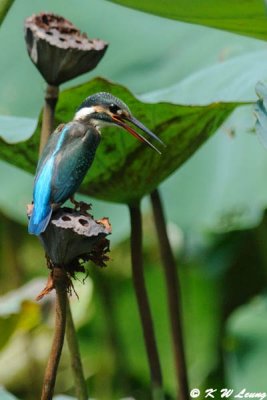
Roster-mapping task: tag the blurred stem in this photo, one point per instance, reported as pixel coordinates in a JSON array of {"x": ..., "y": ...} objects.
[
  {"x": 143, "y": 303},
  {"x": 4, "y": 8},
  {"x": 51, "y": 98},
  {"x": 106, "y": 289},
  {"x": 76, "y": 364},
  {"x": 10, "y": 244},
  {"x": 34, "y": 374},
  {"x": 60, "y": 281},
  {"x": 173, "y": 292}
]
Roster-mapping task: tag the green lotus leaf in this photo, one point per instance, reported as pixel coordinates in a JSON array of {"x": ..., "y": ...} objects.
[{"x": 234, "y": 16}]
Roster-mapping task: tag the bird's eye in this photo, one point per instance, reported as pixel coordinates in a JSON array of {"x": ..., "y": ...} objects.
[{"x": 114, "y": 108}]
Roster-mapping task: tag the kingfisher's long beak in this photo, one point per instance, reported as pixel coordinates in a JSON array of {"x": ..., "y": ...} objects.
[{"x": 119, "y": 120}]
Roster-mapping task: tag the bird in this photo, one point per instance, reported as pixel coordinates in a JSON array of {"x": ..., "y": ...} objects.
[{"x": 70, "y": 151}]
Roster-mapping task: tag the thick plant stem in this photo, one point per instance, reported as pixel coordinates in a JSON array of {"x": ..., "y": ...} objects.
[
  {"x": 61, "y": 284},
  {"x": 51, "y": 98},
  {"x": 143, "y": 302},
  {"x": 173, "y": 292},
  {"x": 76, "y": 364}
]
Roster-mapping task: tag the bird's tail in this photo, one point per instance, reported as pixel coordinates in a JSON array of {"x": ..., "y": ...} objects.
[{"x": 39, "y": 221}]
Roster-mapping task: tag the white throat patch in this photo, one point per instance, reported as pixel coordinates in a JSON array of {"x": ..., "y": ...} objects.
[{"x": 84, "y": 113}]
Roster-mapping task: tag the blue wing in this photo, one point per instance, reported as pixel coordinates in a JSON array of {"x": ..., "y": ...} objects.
[
  {"x": 41, "y": 197},
  {"x": 42, "y": 209}
]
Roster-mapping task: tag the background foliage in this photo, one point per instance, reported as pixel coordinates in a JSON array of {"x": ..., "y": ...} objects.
[{"x": 215, "y": 202}]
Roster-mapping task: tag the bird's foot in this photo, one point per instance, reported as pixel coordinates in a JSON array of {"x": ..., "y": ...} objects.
[
  {"x": 75, "y": 203},
  {"x": 81, "y": 206},
  {"x": 85, "y": 207}
]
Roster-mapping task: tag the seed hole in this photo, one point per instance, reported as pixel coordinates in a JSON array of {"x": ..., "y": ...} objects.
[
  {"x": 78, "y": 41},
  {"x": 83, "y": 221},
  {"x": 62, "y": 39},
  {"x": 49, "y": 33},
  {"x": 65, "y": 218}
]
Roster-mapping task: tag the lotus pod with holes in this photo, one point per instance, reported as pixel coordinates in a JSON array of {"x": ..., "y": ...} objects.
[
  {"x": 72, "y": 237},
  {"x": 59, "y": 50}
]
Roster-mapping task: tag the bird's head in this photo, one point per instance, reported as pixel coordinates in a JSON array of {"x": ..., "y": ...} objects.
[{"x": 102, "y": 109}]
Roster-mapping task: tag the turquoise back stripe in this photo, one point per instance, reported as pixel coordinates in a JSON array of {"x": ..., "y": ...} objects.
[{"x": 42, "y": 188}]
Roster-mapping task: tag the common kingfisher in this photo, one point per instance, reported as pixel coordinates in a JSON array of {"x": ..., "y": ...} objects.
[{"x": 70, "y": 152}]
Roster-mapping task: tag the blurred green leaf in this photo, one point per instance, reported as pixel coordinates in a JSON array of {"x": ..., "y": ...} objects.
[
  {"x": 231, "y": 80},
  {"x": 80, "y": 308},
  {"x": 19, "y": 311},
  {"x": 17, "y": 187},
  {"x": 121, "y": 162},
  {"x": 11, "y": 302},
  {"x": 245, "y": 346},
  {"x": 4, "y": 7},
  {"x": 202, "y": 309},
  {"x": 234, "y": 16},
  {"x": 8, "y": 326},
  {"x": 14, "y": 129},
  {"x": 4, "y": 395},
  {"x": 223, "y": 187},
  {"x": 200, "y": 295}
]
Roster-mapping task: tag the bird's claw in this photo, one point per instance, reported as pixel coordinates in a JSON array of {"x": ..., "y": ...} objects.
[
  {"x": 84, "y": 207},
  {"x": 81, "y": 206}
]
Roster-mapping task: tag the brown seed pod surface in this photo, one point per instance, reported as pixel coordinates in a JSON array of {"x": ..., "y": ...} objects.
[{"x": 59, "y": 50}]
